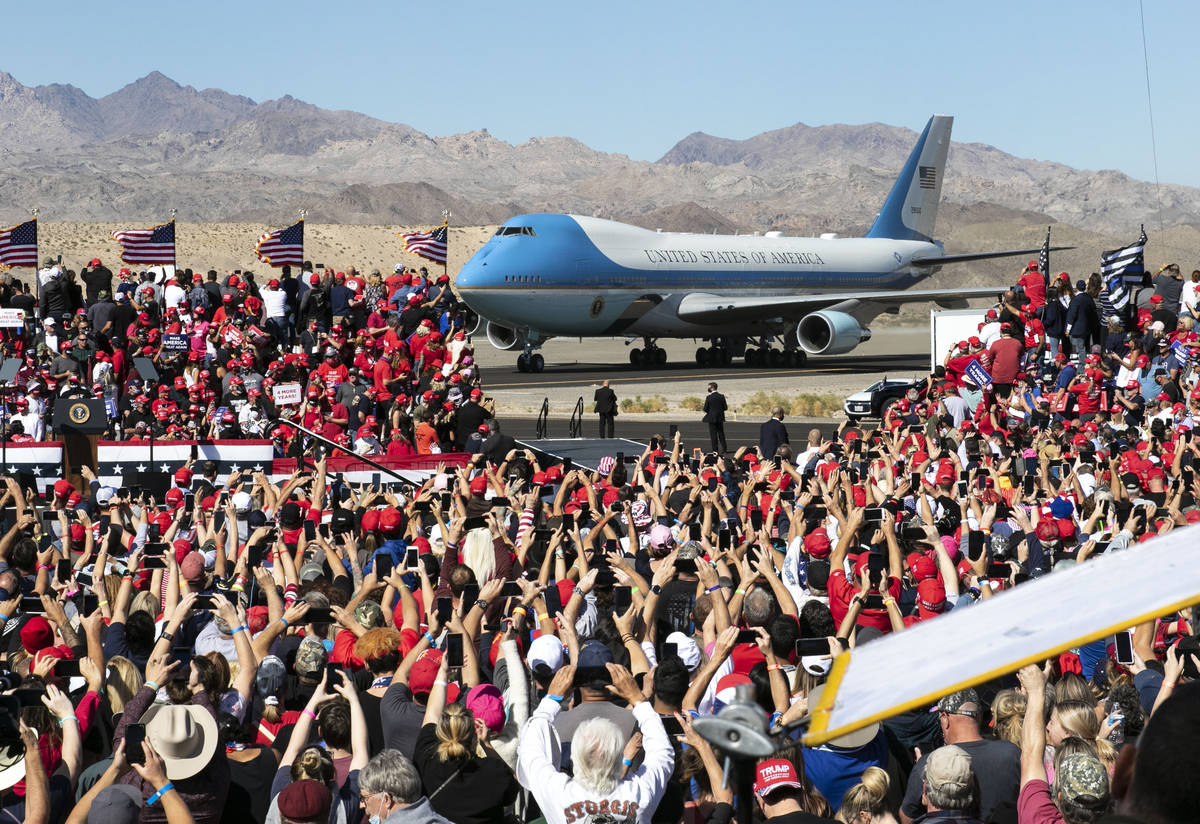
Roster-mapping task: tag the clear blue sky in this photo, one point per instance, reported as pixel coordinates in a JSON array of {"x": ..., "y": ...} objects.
[{"x": 1058, "y": 81}]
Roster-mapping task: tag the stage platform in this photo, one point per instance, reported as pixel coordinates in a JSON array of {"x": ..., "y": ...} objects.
[{"x": 583, "y": 452}]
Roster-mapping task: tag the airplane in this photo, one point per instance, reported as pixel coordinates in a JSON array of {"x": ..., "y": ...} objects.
[{"x": 770, "y": 299}]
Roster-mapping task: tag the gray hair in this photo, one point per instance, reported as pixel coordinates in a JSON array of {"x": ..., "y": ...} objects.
[
  {"x": 596, "y": 750},
  {"x": 776, "y": 412},
  {"x": 390, "y": 772},
  {"x": 758, "y": 607}
]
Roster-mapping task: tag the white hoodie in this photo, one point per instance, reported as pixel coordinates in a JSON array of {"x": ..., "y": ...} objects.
[{"x": 562, "y": 799}]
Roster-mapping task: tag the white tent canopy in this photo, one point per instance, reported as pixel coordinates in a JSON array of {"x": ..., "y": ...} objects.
[{"x": 1043, "y": 617}]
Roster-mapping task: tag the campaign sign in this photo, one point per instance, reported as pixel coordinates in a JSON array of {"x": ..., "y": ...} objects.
[
  {"x": 175, "y": 343},
  {"x": 12, "y": 318},
  {"x": 978, "y": 374},
  {"x": 233, "y": 336},
  {"x": 287, "y": 393}
]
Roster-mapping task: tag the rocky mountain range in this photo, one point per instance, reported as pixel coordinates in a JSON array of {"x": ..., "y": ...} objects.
[{"x": 155, "y": 145}]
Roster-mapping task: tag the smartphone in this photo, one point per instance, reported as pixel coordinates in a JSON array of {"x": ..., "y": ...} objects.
[
  {"x": 189, "y": 501},
  {"x": 724, "y": 540},
  {"x": 423, "y": 506},
  {"x": 747, "y": 636},
  {"x": 812, "y": 646},
  {"x": 31, "y": 603},
  {"x": 470, "y": 594},
  {"x": 568, "y": 521},
  {"x": 756, "y": 519},
  {"x": 135, "y": 736},
  {"x": 154, "y": 549},
  {"x": 914, "y": 480},
  {"x": 310, "y": 531},
  {"x": 873, "y": 514},
  {"x": 661, "y": 460},
  {"x": 654, "y": 444},
  {"x": 568, "y": 465},
  {"x": 67, "y": 668},
  {"x": 1124, "y": 644},
  {"x": 1027, "y": 484},
  {"x": 511, "y": 589},
  {"x": 686, "y": 565},
  {"x": 962, "y": 489},
  {"x": 876, "y": 566},
  {"x": 622, "y": 598},
  {"x": 1101, "y": 547},
  {"x": 999, "y": 572},
  {"x": 454, "y": 649},
  {"x": 476, "y": 522},
  {"x": 318, "y": 615},
  {"x": 553, "y": 600},
  {"x": 498, "y": 502},
  {"x": 205, "y": 600},
  {"x": 63, "y": 572},
  {"x": 383, "y": 566},
  {"x": 50, "y": 515},
  {"x": 411, "y": 559},
  {"x": 123, "y": 494},
  {"x": 818, "y": 512},
  {"x": 445, "y": 606},
  {"x": 153, "y": 532},
  {"x": 670, "y": 648},
  {"x": 713, "y": 480},
  {"x": 672, "y": 429},
  {"x": 778, "y": 461},
  {"x": 874, "y": 601},
  {"x": 331, "y": 675},
  {"x": 154, "y": 562},
  {"x": 975, "y": 545}
]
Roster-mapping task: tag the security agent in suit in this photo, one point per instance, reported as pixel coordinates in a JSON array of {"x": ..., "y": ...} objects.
[
  {"x": 772, "y": 434},
  {"x": 606, "y": 408},
  {"x": 714, "y": 416}
]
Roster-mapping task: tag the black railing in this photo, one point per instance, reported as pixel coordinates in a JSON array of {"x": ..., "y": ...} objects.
[
  {"x": 576, "y": 430},
  {"x": 543, "y": 420}
]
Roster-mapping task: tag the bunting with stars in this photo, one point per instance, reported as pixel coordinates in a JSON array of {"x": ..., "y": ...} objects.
[
  {"x": 119, "y": 458},
  {"x": 42, "y": 461}
]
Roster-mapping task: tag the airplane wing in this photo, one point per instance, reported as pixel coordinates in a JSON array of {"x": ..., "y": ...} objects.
[
  {"x": 1035, "y": 621},
  {"x": 940, "y": 259},
  {"x": 708, "y": 308}
]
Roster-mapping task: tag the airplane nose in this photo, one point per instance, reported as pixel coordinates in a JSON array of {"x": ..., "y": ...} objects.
[{"x": 473, "y": 272}]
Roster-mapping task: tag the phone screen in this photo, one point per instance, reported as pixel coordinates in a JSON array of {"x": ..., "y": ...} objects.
[
  {"x": 383, "y": 565},
  {"x": 671, "y": 430},
  {"x": 812, "y": 646},
  {"x": 444, "y": 607},
  {"x": 1124, "y": 644},
  {"x": 553, "y": 600},
  {"x": 310, "y": 531},
  {"x": 135, "y": 735},
  {"x": 756, "y": 518},
  {"x": 454, "y": 650},
  {"x": 622, "y": 598},
  {"x": 975, "y": 545},
  {"x": 411, "y": 559}
]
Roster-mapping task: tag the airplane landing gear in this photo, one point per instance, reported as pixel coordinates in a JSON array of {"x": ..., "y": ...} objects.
[
  {"x": 718, "y": 354},
  {"x": 652, "y": 355},
  {"x": 530, "y": 361}
]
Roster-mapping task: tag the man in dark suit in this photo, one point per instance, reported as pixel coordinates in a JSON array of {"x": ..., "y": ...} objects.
[
  {"x": 1083, "y": 322},
  {"x": 714, "y": 416},
  {"x": 606, "y": 408},
  {"x": 772, "y": 434}
]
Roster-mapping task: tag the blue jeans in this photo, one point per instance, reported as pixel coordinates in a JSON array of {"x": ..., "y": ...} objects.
[{"x": 1080, "y": 347}]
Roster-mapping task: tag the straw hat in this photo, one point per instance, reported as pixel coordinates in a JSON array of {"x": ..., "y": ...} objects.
[{"x": 185, "y": 735}]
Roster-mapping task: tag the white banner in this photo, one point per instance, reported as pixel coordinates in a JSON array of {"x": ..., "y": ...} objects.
[
  {"x": 288, "y": 393},
  {"x": 12, "y": 318}
]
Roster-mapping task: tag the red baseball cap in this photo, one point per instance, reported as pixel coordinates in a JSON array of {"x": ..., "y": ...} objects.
[{"x": 775, "y": 774}]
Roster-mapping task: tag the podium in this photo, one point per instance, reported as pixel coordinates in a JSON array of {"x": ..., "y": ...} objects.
[{"x": 81, "y": 422}]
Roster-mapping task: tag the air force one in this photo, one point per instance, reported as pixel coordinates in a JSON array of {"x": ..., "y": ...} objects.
[{"x": 770, "y": 299}]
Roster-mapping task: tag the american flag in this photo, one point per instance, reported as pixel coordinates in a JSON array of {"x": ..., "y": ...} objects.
[
  {"x": 283, "y": 247},
  {"x": 1044, "y": 258},
  {"x": 155, "y": 245},
  {"x": 1122, "y": 268},
  {"x": 928, "y": 177},
  {"x": 429, "y": 245},
  {"x": 18, "y": 245}
]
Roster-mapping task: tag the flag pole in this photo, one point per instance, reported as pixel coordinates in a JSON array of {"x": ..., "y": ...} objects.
[
  {"x": 174, "y": 243},
  {"x": 37, "y": 281},
  {"x": 1046, "y": 268},
  {"x": 446, "y": 223},
  {"x": 303, "y": 215}
]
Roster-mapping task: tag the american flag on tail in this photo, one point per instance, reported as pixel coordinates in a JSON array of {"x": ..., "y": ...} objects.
[
  {"x": 429, "y": 245},
  {"x": 1122, "y": 269}
]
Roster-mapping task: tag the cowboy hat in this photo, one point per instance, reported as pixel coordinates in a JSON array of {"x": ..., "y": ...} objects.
[{"x": 185, "y": 735}]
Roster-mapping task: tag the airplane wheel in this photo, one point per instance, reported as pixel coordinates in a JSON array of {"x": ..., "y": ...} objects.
[
  {"x": 790, "y": 360},
  {"x": 726, "y": 356},
  {"x": 660, "y": 356},
  {"x": 522, "y": 363},
  {"x": 775, "y": 357},
  {"x": 702, "y": 356},
  {"x": 635, "y": 357},
  {"x": 801, "y": 357},
  {"x": 537, "y": 363},
  {"x": 751, "y": 357}
]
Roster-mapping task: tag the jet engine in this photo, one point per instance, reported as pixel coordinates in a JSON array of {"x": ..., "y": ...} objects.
[
  {"x": 504, "y": 337},
  {"x": 829, "y": 333},
  {"x": 475, "y": 324}
]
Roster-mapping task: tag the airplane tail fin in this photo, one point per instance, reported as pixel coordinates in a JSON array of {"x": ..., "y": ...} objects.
[{"x": 911, "y": 207}]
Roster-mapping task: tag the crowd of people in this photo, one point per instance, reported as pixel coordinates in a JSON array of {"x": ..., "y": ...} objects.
[
  {"x": 515, "y": 640},
  {"x": 381, "y": 365}
]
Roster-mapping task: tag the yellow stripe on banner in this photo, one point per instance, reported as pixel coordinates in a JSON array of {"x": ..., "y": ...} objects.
[
  {"x": 820, "y": 713},
  {"x": 819, "y": 731}
]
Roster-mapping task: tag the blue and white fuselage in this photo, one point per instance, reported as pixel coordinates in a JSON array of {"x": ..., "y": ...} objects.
[{"x": 543, "y": 275}]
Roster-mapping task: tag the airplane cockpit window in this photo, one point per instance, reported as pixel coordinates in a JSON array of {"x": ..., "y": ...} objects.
[{"x": 504, "y": 231}]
